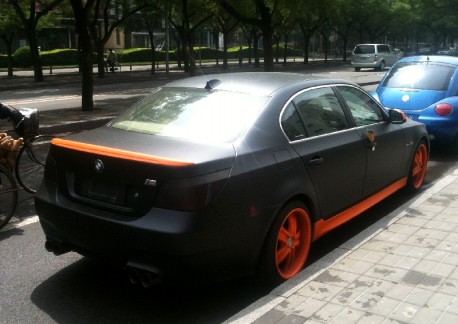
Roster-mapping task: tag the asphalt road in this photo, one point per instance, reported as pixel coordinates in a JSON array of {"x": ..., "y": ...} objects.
[{"x": 38, "y": 287}]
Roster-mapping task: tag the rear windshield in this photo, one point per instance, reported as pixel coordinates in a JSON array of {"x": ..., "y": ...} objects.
[
  {"x": 194, "y": 114},
  {"x": 420, "y": 75},
  {"x": 364, "y": 49}
]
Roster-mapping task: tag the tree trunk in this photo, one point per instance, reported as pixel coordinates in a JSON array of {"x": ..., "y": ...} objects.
[
  {"x": 100, "y": 59},
  {"x": 87, "y": 101},
  {"x": 225, "y": 42},
  {"x": 268, "y": 49},
  {"x": 35, "y": 54}
]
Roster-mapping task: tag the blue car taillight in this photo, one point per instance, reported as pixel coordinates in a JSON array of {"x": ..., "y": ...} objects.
[
  {"x": 443, "y": 109},
  {"x": 191, "y": 193}
]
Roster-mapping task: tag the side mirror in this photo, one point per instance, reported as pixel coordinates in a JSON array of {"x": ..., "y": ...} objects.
[{"x": 397, "y": 116}]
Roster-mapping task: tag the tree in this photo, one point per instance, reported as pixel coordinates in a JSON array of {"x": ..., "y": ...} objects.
[
  {"x": 30, "y": 12},
  {"x": 186, "y": 16},
  {"x": 259, "y": 13},
  {"x": 9, "y": 23},
  {"x": 112, "y": 13}
]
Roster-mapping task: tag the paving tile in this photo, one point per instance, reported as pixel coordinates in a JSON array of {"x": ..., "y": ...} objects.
[
  {"x": 449, "y": 286},
  {"x": 291, "y": 302},
  {"x": 440, "y": 301},
  {"x": 348, "y": 296},
  {"x": 310, "y": 307},
  {"x": 348, "y": 316},
  {"x": 442, "y": 269},
  {"x": 399, "y": 291},
  {"x": 419, "y": 296},
  {"x": 404, "y": 312},
  {"x": 365, "y": 302},
  {"x": 426, "y": 316},
  {"x": 292, "y": 319},
  {"x": 385, "y": 306},
  {"x": 448, "y": 318},
  {"x": 321, "y": 291},
  {"x": 336, "y": 277},
  {"x": 371, "y": 319},
  {"x": 327, "y": 312}
]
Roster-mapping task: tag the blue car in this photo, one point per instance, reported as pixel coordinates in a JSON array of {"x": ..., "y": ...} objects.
[{"x": 426, "y": 89}]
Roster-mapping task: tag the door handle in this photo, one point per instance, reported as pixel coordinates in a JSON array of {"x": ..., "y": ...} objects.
[{"x": 316, "y": 160}]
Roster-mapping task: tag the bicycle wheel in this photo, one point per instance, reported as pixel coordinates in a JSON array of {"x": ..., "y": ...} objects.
[
  {"x": 8, "y": 196},
  {"x": 30, "y": 162}
]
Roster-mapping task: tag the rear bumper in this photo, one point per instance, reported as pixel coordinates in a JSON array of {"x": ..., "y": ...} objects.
[
  {"x": 368, "y": 64},
  {"x": 177, "y": 246}
]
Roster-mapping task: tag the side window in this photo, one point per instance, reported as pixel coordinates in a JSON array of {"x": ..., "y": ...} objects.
[
  {"x": 292, "y": 124},
  {"x": 364, "y": 109},
  {"x": 383, "y": 49},
  {"x": 320, "y": 111}
]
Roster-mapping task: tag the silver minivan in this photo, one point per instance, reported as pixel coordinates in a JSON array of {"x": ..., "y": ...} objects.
[{"x": 375, "y": 56}]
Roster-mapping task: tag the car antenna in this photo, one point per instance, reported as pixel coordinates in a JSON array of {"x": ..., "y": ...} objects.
[{"x": 211, "y": 84}]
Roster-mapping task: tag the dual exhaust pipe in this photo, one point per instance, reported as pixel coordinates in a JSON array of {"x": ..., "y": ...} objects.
[{"x": 144, "y": 278}]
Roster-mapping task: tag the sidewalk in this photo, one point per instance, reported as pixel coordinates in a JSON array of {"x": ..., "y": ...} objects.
[{"x": 403, "y": 269}]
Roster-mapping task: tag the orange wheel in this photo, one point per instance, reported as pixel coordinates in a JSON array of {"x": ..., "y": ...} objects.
[
  {"x": 287, "y": 245},
  {"x": 419, "y": 166},
  {"x": 293, "y": 243}
]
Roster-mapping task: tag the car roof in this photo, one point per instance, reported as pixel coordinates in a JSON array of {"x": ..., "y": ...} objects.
[
  {"x": 431, "y": 58},
  {"x": 260, "y": 83}
]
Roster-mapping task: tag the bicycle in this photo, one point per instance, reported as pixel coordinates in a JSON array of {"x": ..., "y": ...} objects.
[
  {"x": 8, "y": 195},
  {"x": 30, "y": 160}
]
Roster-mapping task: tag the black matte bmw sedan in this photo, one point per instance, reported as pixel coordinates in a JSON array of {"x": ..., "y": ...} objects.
[{"x": 226, "y": 175}]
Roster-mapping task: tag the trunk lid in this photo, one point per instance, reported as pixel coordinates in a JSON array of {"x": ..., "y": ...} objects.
[{"x": 123, "y": 171}]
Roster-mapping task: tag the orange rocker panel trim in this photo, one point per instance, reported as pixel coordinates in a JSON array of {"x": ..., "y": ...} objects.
[
  {"x": 324, "y": 226},
  {"x": 117, "y": 153}
]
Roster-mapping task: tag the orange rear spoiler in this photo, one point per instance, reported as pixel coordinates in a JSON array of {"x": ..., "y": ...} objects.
[{"x": 117, "y": 153}]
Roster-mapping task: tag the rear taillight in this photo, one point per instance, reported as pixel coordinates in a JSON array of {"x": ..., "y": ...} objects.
[
  {"x": 192, "y": 193},
  {"x": 443, "y": 109}
]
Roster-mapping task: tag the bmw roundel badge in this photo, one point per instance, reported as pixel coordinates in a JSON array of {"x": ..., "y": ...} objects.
[{"x": 98, "y": 165}]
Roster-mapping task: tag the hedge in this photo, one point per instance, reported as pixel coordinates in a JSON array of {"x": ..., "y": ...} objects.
[{"x": 62, "y": 57}]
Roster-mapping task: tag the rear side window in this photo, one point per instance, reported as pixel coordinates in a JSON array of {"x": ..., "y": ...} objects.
[
  {"x": 364, "y": 109},
  {"x": 420, "y": 75},
  {"x": 312, "y": 113},
  {"x": 383, "y": 49},
  {"x": 364, "y": 49}
]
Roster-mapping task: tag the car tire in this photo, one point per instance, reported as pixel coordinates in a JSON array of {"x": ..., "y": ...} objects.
[
  {"x": 357, "y": 69},
  {"x": 381, "y": 66},
  {"x": 418, "y": 167},
  {"x": 287, "y": 244}
]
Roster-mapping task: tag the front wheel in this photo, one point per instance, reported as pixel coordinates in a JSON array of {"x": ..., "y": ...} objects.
[
  {"x": 287, "y": 245},
  {"x": 30, "y": 162},
  {"x": 418, "y": 167}
]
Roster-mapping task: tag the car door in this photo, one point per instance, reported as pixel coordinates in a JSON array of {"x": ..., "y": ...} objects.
[
  {"x": 384, "y": 141},
  {"x": 332, "y": 152}
]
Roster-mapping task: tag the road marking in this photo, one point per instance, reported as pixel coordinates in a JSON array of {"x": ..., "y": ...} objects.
[{"x": 25, "y": 222}]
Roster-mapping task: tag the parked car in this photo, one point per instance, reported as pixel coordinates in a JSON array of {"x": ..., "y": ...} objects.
[
  {"x": 426, "y": 89},
  {"x": 374, "y": 56},
  {"x": 225, "y": 175}
]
